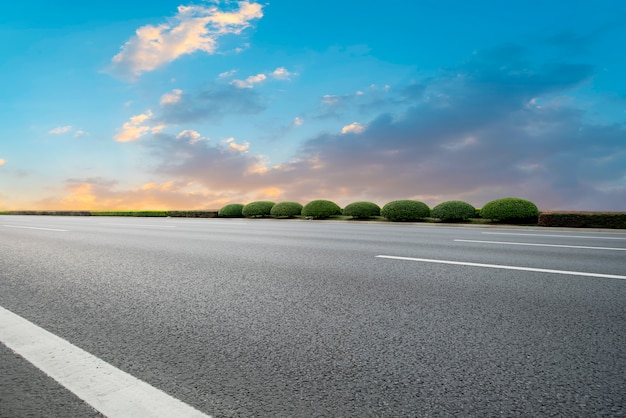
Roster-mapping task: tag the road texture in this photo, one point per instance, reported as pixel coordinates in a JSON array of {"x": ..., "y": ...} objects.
[{"x": 301, "y": 318}]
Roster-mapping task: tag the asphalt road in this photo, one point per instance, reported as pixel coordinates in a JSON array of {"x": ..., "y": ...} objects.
[{"x": 301, "y": 318}]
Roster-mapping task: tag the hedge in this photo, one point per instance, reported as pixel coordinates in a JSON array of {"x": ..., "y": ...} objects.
[
  {"x": 510, "y": 209},
  {"x": 231, "y": 211},
  {"x": 142, "y": 213},
  {"x": 405, "y": 210},
  {"x": 192, "y": 213},
  {"x": 320, "y": 209},
  {"x": 51, "y": 212},
  {"x": 257, "y": 209},
  {"x": 362, "y": 210},
  {"x": 453, "y": 211},
  {"x": 286, "y": 210},
  {"x": 616, "y": 220}
]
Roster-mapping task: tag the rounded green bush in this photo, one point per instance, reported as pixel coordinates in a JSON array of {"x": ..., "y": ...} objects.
[
  {"x": 320, "y": 209},
  {"x": 257, "y": 209},
  {"x": 405, "y": 210},
  {"x": 286, "y": 210},
  {"x": 509, "y": 209},
  {"x": 234, "y": 210},
  {"x": 453, "y": 210},
  {"x": 362, "y": 210}
]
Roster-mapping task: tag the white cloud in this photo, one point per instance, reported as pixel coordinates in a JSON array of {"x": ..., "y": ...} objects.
[
  {"x": 249, "y": 82},
  {"x": 193, "y": 28},
  {"x": 189, "y": 135},
  {"x": 281, "y": 73},
  {"x": 329, "y": 99},
  {"x": 227, "y": 74},
  {"x": 298, "y": 121},
  {"x": 135, "y": 128},
  {"x": 60, "y": 130},
  {"x": 238, "y": 147},
  {"x": 171, "y": 97},
  {"x": 80, "y": 133},
  {"x": 354, "y": 128}
]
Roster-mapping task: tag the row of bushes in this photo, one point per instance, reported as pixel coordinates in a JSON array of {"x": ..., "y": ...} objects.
[
  {"x": 583, "y": 219},
  {"x": 506, "y": 209}
]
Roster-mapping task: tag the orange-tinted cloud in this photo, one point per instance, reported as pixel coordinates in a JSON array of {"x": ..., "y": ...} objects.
[{"x": 193, "y": 28}]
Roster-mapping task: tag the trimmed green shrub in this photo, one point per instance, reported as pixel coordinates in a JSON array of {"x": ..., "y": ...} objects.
[
  {"x": 320, "y": 209},
  {"x": 453, "y": 211},
  {"x": 510, "y": 209},
  {"x": 257, "y": 209},
  {"x": 234, "y": 210},
  {"x": 362, "y": 210},
  {"x": 286, "y": 210},
  {"x": 405, "y": 210}
]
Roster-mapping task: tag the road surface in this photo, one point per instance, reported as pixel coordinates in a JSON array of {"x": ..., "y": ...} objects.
[{"x": 282, "y": 318}]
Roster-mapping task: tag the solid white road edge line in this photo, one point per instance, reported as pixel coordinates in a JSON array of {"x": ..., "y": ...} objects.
[
  {"x": 499, "y": 266},
  {"x": 114, "y": 393},
  {"x": 552, "y": 236},
  {"x": 540, "y": 245},
  {"x": 33, "y": 227}
]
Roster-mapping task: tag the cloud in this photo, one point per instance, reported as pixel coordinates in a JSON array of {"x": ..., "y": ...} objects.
[
  {"x": 227, "y": 74},
  {"x": 192, "y": 29},
  {"x": 135, "y": 128},
  {"x": 104, "y": 194},
  {"x": 60, "y": 130},
  {"x": 353, "y": 128},
  {"x": 2, "y": 162},
  {"x": 496, "y": 125},
  {"x": 189, "y": 135},
  {"x": 471, "y": 134},
  {"x": 249, "y": 82},
  {"x": 226, "y": 165},
  {"x": 211, "y": 103},
  {"x": 171, "y": 97},
  {"x": 238, "y": 147},
  {"x": 281, "y": 73}
]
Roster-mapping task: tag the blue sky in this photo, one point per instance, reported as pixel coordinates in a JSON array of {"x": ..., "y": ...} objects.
[{"x": 193, "y": 105}]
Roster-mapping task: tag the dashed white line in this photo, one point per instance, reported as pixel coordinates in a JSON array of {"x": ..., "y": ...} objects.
[
  {"x": 540, "y": 245},
  {"x": 34, "y": 227},
  {"x": 503, "y": 267},
  {"x": 116, "y": 394},
  {"x": 553, "y": 236}
]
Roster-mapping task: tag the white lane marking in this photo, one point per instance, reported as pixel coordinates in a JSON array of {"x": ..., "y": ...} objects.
[
  {"x": 552, "y": 236},
  {"x": 116, "y": 394},
  {"x": 540, "y": 245},
  {"x": 499, "y": 266},
  {"x": 33, "y": 227},
  {"x": 140, "y": 225}
]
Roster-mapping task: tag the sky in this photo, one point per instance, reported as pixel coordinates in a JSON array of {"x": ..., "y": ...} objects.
[{"x": 172, "y": 104}]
